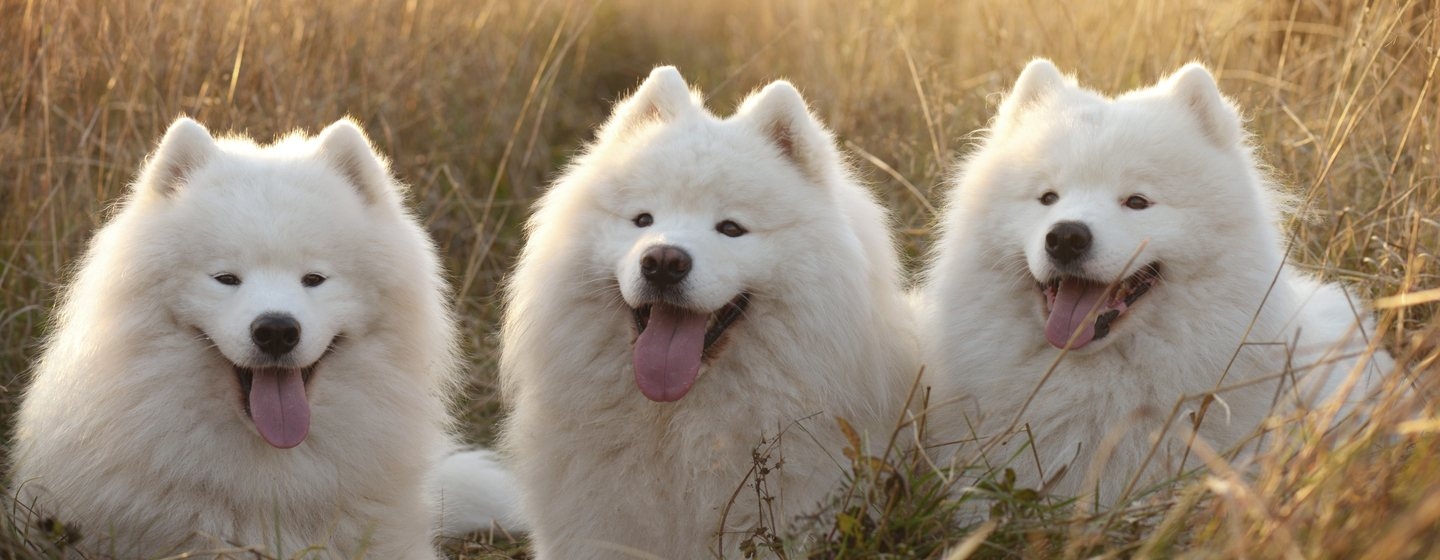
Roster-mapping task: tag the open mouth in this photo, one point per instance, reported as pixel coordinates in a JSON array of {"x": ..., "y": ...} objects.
[
  {"x": 1069, "y": 301},
  {"x": 246, "y": 377},
  {"x": 672, "y": 342},
  {"x": 275, "y": 399}
]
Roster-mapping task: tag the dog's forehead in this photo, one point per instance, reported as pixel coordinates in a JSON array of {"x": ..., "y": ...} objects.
[
  {"x": 706, "y": 176},
  {"x": 262, "y": 179},
  {"x": 681, "y": 201},
  {"x": 267, "y": 213},
  {"x": 737, "y": 160},
  {"x": 1119, "y": 144}
]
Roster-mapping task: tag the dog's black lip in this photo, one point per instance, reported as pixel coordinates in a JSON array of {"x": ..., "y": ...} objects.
[
  {"x": 1102, "y": 323},
  {"x": 724, "y": 317}
]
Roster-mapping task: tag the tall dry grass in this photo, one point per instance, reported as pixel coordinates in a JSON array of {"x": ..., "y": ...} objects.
[{"x": 479, "y": 102}]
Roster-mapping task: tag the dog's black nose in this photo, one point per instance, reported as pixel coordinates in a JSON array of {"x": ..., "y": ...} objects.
[
  {"x": 1067, "y": 242},
  {"x": 275, "y": 334},
  {"x": 665, "y": 265}
]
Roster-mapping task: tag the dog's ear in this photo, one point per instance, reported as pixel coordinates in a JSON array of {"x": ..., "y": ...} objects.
[
  {"x": 780, "y": 113},
  {"x": 663, "y": 97},
  {"x": 345, "y": 146},
  {"x": 185, "y": 147},
  {"x": 1039, "y": 80},
  {"x": 1195, "y": 88}
]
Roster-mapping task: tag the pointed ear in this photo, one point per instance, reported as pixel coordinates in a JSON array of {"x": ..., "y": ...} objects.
[
  {"x": 345, "y": 146},
  {"x": 663, "y": 97},
  {"x": 1040, "y": 79},
  {"x": 780, "y": 113},
  {"x": 185, "y": 147},
  {"x": 1195, "y": 88}
]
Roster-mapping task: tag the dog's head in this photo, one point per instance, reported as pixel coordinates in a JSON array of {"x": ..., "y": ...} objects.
[
  {"x": 1111, "y": 201},
  {"x": 268, "y": 255},
  {"x": 699, "y": 220}
]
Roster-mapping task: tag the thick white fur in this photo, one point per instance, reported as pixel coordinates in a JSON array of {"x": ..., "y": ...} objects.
[
  {"x": 608, "y": 473},
  {"x": 477, "y": 493},
  {"x": 1214, "y": 227},
  {"x": 132, "y": 430}
]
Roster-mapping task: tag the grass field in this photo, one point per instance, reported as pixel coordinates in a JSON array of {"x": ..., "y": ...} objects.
[{"x": 480, "y": 102}]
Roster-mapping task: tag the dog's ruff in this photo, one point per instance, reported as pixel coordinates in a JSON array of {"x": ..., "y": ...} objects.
[
  {"x": 1168, "y": 197},
  {"x": 135, "y": 431},
  {"x": 790, "y": 315}
]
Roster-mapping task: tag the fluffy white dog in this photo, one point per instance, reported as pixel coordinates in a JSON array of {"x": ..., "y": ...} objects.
[
  {"x": 694, "y": 289},
  {"x": 1139, "y": 234},
  {"x": 254, "y": 351}
]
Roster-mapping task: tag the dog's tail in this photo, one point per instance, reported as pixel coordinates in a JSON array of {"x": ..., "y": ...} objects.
[{"x": 477, "y": 493}]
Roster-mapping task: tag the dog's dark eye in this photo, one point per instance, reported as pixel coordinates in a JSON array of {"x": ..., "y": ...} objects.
[
  {"x": 311, "y": 280},
  {"x": 1049, "y": 198},
  {"x": 644, "y": 220},
  {"x": 730, "y": 229},
  {"x": 227, "y": 279},
  {"x": 1137, "y": 202}
]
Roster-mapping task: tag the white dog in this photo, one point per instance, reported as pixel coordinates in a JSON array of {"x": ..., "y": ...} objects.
[
  {"x": 1139, "y": 233},
  {"x": 692, "y": 289},
  {"x": 254, "y": 351}
]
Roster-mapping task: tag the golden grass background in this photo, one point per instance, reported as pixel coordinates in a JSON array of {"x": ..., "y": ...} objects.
[{"x": 480, "y": 102}]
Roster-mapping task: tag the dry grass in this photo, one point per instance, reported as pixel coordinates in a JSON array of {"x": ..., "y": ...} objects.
[{"x": 480, "y": 102}]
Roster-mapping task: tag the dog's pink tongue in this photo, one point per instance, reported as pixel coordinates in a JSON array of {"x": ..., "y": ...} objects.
[
  {"x": 667, "y": 354},
  {"x": 1073, "y": 301},
  {"x": 278, "y": 406}
]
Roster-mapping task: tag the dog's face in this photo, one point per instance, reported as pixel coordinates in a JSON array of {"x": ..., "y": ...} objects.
[
  {"x": 685, "y": 269},
  {"x": 693, "y": 217},
  {"x": 270, "y": 271},
  {"x": 1110, "y": 202}
]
